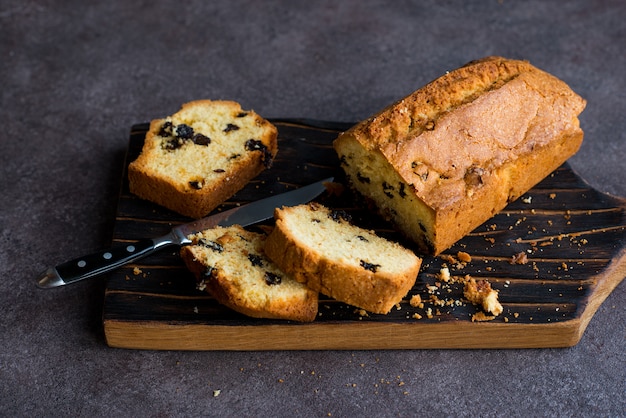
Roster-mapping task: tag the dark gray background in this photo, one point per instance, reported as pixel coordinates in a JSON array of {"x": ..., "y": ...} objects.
[{"x": 75, "y": 76}]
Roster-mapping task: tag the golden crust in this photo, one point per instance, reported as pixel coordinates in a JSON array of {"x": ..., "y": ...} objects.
[
  {"x": 192, "y": 179},
  {"x": 314, "y": 262},
  {"x": 463, "y": 146}
]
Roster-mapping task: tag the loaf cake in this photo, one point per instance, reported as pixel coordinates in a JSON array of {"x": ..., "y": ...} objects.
[
  {"x": 230, "y": 264},
  {"x": 323, "y": 250},
  {"x": 200, "y": 156},
  {"x": 446, "y": 158}
]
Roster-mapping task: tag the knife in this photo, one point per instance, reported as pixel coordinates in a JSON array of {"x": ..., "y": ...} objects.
[{"x": 103, "y": 261}]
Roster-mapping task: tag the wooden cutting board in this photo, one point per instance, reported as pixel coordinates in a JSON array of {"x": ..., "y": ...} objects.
[{"x": 574, "y": 239}]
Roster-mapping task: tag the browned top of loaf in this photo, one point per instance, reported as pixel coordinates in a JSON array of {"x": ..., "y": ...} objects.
[{"x": 468, "y": 122}]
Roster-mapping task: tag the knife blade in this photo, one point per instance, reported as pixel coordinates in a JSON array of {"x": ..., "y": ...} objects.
[{"x": 109, "y": 259}]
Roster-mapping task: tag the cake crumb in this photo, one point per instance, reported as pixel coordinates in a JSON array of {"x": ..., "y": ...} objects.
[
  {"x": 444, "y": 274},
  {"x": 415, "y": 301},
  {"x": 464, "y": 257},
  {"x": 480, "y": 293},
  {"x": 361, "y": 312},
  {"x": 482, "y": 317},
  {"x": 519, "y": 258},
  {"x": 137, "y": 271}
]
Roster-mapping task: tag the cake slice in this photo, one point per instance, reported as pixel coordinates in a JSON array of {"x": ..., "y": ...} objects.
[
  {"x": 449, "y": 156},
  {"x": 230, "y": 264},
  {"x": 323, "y": 250},
  {"x": 195, "y": 159}
]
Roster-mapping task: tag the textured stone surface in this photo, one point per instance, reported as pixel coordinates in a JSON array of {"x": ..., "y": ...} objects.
[{"x": 75, "y": 77}]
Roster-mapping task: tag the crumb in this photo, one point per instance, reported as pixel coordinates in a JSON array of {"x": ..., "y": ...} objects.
[
  {"x": 480, "y": 293},
  {"x": 527, "y": 200},
  {"x": 481, "y": 317},
  {"x": 137, "y": 271},
  {"x": 415, "y": 301},
  {"x": 216, "y": 393},
  {"x": 464, "y": 257},
  {"x": 417, "y": 316},
  {"x": 519, "y": 258},
  {"x": 448, "y": 258},
  {"x": 552, "y": 196},
  {"x": 444, "y": 274},
  {"x": 361, "y": 312}
]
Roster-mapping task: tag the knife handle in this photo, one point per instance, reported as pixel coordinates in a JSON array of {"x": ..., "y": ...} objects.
[{"x": 97, "y": 263}]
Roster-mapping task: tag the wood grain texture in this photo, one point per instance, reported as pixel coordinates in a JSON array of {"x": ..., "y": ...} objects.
[{"x": 573, "y": 236}]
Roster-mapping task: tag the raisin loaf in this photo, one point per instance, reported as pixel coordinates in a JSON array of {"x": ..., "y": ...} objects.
[
  {"x": 445, "y": 159},
  {"x": 322, "y": 249},
  {"x": 230, "y": 264},
  {"x": 200, "y": 156}
]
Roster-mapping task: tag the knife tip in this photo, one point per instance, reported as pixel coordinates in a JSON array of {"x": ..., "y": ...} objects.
[{"x": 49, "y": 279}]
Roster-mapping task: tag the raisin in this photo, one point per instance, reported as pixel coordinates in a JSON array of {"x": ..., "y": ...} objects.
[
  {"x": 166, "y": 129},
  {"x": 184, "y": 131},
  {"x": 338, "y": 215},
  {"x": 402, "y": 191},
  {"x": 272, "y": 278},
  {"x": 172, "y": 144},
  {"x": 360, "y": 177},
  {"x": 369, "y": 266},
  {"x": 195, "y": 185},
  {"x": 256, "y": 145},
  {"x": 201, "y": 139},
  {"x": 219, "y": 170},
  {"x": 362, "y": 238},
  {"x": 210, "y": 271},
  {"x": 315, "y": 221},
  {"x": 234, "y": 156},
  {"x": 242, "y": 114},
  {"x": 386, "y": 189},
  {"x": 231, "y": 127},
  {"x": 256, "y": 260},
  {"x": 211, "y": 244}
]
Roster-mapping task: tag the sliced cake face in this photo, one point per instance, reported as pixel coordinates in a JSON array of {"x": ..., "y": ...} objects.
[
  {"x": 449, "y": 156},
  {"x": 200, "y": 156},
  {"x": 329, "y": 234},
  {"x": 321, "y": 248},
  {"x": 212, "y": 141},
  {"x": 231, "y": 265}
]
